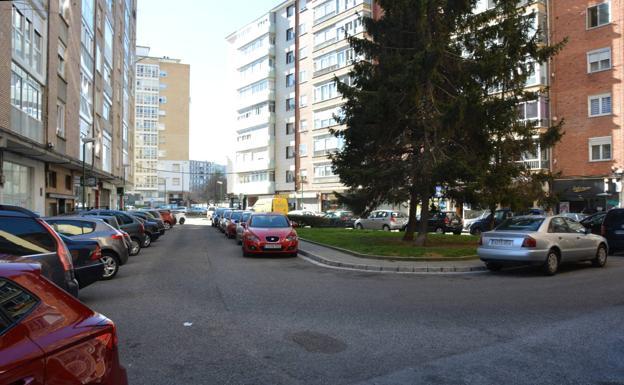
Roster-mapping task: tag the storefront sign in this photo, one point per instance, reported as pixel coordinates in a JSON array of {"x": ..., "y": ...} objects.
[{"x": 564, "y": 207}]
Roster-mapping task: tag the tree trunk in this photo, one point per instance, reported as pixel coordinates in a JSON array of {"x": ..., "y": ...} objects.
[
  {"x": 421, "y": 239},
  {"x": 411, "y": 224}
]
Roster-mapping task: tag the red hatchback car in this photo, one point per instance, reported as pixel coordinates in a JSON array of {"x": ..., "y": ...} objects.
[
  {"x": 48, "y": 337},
  {"x": 269, "y": 233}
]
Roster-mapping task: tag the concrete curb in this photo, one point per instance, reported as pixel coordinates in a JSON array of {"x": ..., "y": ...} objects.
[
  {"x": 387, "y": 269},
  {"x": 391, "y": 259}
]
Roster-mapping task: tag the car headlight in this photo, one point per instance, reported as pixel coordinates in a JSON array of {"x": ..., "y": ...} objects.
[
  {"x": 292, "y": 238},
  {"x": 252, "y": 238}
]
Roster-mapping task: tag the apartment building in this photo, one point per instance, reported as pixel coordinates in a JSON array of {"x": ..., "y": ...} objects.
[
  {"x": 69, "y": 66},
  {"x": 162, "y": 123},
  {"x": 201, "y": 172},
  {"x": 587, "y": 93}
]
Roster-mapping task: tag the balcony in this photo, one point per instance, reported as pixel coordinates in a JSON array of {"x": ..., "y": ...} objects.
[
  {"x": 326, "y": 70},
  {"x": 540, "y": 160},
  {"x": 265, "y": 118},
  {"x": 268, "y": 73},
  {"x": 252, "y": 166},
  {"x": 254, "y": 188},
  {"x": 257, "y": 98}
]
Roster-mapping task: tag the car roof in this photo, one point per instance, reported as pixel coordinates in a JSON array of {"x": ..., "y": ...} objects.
[
  {"x": 16, "y": 211},
  {"x": 75, "y": 218}
]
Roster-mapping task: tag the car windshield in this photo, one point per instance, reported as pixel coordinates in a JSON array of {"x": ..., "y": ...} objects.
[
  {"x": 521, "y": 224},
  {"x": 269, "y": 221},
  {"x": 236, "y": 216},
  {"x": 246, "y": 217}
]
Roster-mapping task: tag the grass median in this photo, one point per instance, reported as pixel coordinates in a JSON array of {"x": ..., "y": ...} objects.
[{"x": 390, "y": 244}]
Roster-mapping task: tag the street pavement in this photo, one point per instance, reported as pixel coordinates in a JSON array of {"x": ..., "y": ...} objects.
[{"x": 191, "y": 310}]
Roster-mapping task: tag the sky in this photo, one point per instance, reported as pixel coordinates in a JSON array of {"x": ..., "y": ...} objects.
[{"x": 194, "y": 31}]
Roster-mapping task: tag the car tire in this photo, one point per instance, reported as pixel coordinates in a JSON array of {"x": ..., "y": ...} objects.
[
  {"x": 167, "y": 225},
  {"x": 135, "y": 247},
  {"x": 601, "y": 256},
  {"x": 359, "y": 226},
  {"x": 293, "y": 255},
  {"x": 182, "y": 220},
  {"x": 111, "y": 265},
  {"x": 439, "y": 230},
  {"x": 385, "y": 228},
  {"x": 239, "y": 242},
  {"x": 148, "y": 240},
  {"x": 457, "y": 232},
  {"x": 551, "y": 264},
  {"x": 477, "y": 231},
  {"x": 246, "y": 254},
  {"x": 492, "y": 266}
]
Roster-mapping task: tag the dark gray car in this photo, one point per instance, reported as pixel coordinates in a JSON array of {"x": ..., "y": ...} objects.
[
  {"x": 114, "y": 249},
  {"x": 128, "y": 223}
]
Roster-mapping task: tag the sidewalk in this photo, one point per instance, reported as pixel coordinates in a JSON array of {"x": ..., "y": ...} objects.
[{"x": 327, "y": 257}]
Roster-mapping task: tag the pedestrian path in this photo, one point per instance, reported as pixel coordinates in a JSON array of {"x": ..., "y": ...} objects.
[{"x": 328, "y": 257}]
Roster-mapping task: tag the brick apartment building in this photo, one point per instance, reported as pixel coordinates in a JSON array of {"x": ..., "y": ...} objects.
[
  {"x": 587, "y": 92},
  {"x": 66, "y": 74}
]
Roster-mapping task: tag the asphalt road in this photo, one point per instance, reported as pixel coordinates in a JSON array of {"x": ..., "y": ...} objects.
[{"x": 285, "y": 321}]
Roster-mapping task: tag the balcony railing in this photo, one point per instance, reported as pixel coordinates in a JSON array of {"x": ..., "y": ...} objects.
[
  {"x": 326, "y": 70},
  {"x": 536, "y": 164}
]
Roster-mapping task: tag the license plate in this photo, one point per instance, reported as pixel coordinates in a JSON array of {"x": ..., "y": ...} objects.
[
  {"x": 273, "y": 246},
  {"x": 501, "y": 242}
]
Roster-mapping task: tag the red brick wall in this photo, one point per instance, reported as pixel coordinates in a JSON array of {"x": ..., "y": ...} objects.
[{"x": 571, "y": 86}]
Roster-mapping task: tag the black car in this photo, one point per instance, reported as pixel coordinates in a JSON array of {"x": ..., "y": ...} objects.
[
  {"x": 216, "y": 216},
  {"x": 612, "y": 228},
  {"x": 442, "y": 222},
  {"x": 148, "y": 216},
  {"x": 594, "y": 222},
  {"x": 86, "y": 258},
  {"x": 24, "y": 237},
  {"x": 127, "y": 223},
  {"x": 483, "y": 224},
  {"x": 152, "y": 228}
]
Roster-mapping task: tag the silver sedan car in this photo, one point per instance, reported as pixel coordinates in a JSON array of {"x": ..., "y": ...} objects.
[
  {"x": 543, "y": 241},
  {"x": 239, "y": 228}
]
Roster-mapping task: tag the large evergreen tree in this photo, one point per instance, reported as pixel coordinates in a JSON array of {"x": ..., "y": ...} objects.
[{"x": 435, "y": 101}]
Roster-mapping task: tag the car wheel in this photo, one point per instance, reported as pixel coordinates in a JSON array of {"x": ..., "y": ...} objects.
[
  {"x": 551, "y": 265},
  {"x": 167, "y": 225},
  {"x": 111, "y": 266},
  {"x": 385, "y": 228},
  {"x": 601, "y": 256},
  {"x": 182, "y": 220},
  {"x": 246, "y": 254},
  {"x": 293, "y": 255},
  {"x": 135, "y": 247},
  {"x": 359, "y": 226},
  {"x": 476, "y": 231},
  {"x": 491, "y": 266},
  {"x": 439, "y": 230},
  {"x": 148, "y": 240}
]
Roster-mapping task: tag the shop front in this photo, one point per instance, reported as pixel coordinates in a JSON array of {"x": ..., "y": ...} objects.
[
  {"x": 60, "y": 196},
  {"x": 23, "y": 182},
  {"x": 587, "y": 195}
]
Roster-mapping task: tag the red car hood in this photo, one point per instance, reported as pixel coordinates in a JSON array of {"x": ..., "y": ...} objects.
[{"x": 261, "y": 233}]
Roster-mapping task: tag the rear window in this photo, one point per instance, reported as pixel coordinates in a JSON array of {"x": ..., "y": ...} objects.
[
  {"x": 521, "y": 224},
  {"x": 71, "y": 228},
  {"x": 246, "y": 217},
  {"x": 614, "y": 217},
  {"x": 236, "y": 216},
  {"x": 24, "y": 236},
  {"x": 269, "y": 221},
  {"x": 15, "y": 303},
  {"x": 398, "y": 215}
]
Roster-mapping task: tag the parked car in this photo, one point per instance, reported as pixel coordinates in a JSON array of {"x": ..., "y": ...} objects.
[
  {"x": 224, "y": 218},
  {"x": 49, "y": 337},
  {"x": 129, "y": 224},
  {"x": 180, "y": 216},
  {"x": 468, "y": 222},
  {"x": 230, "y": 226},
  {"x": 210, "y": 212},
  {"x": 543, "y": 241},
  {"x": 216, "y": 217},
  {"x": 613, "y": 229},
  {"x": 153, "y": 229},
  {"x": 442, "y": 222},
  {"x": 112, "y": 221},
  {"x": 113, "y": 246},
  {"x": 382, "y": 220},
  {"x": 86, "y": 258},
  {"x": 340, "y": 218},
  {"x": 269, "y": 233},
  {"x": 575, "y": 216},
  {"x": 240, "y": 229},
  {"x": 150, "y": 217},
  {"x": 484, "y": 223},
  {"x": 24, "y": 237},
  {"x": 594, "y": 222},
  {"x": 168, "y": 218},
  {"x": 302, "y": 213}
]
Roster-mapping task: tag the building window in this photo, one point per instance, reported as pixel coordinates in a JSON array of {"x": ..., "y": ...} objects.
[
  {"x": 290, "y": 80},
  {"x": 18, "y": 33},
  {"x": 303, "y": 101},
  {"x": 290, "y": 34},
  {"x": 303, "y": 125},
  {"x": 290, "y": 152},
  {"x": 290, "y": 57},
  {"x": 327, "y": 144},
  {"x": 598, "y": 15},
  {"x": 107, "y": 153},
  {"x": 599, "y": 60},
  {"x": 61, "y": 59},
  {"x": 69, "y": 183},
  {"x": 323, "y": 170},
  {"x": 303, "y": 76},
  {"x": 303, "y": 52},
  {"x": 325, "y": 92},
  {"x": 60, "y": 119},
  {"x": 290, "y": 128},
  {"x": 600, "y": 149},
  {"x": 290, "y": 104},
  {"x": 290, "y": 11},
  {"x": 26, "y": 93},
  {"x": 51, "y": 179},
  {"x": 175, "y": 167},
  {"x": 600, "y": 105},
  {"x": 303, "y": 150},
  {"x": 290, "y": 176}
]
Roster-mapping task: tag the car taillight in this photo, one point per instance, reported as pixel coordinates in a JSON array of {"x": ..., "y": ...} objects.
[
  {"x": 446, "y": 220},
  {"x": 110, "y": 338},
  {"x": 117, "y": 236},
  {"x": 61, "y": 249},
  {"x": 141, "y": 228},
  {"x": 96, "y": 255},
  {"x": 529, "y": 242},
  {"x": 603, "y": 231}
]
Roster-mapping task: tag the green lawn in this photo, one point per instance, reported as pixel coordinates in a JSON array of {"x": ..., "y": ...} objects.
[{"x": 390, "y": 244}]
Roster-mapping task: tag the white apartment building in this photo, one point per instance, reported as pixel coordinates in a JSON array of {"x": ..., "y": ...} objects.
[{"x": 174, "y": 181}]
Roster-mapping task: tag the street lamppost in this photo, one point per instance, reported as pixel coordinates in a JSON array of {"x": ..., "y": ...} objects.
[
  {"x": 84, "y": 169},
  {"x": 220, "y": 183}
]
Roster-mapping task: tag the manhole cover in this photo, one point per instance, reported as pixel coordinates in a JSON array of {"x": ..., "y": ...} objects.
[{"x": 318, "y": 343}]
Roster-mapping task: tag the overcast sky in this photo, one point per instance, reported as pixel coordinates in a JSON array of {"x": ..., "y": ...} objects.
[{"x": 194, "y": 31}]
